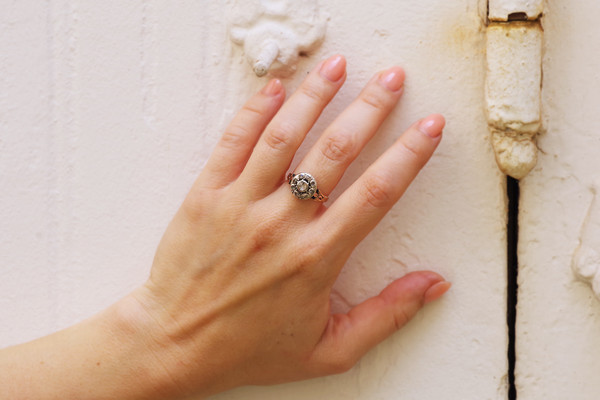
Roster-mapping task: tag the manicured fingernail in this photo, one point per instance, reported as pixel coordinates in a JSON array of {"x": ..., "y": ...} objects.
[
  {"x": 273, "y": 87},
  {"x": 432, "y": 126},
  {"x": 393, "y": 78},
  {"x": 333, "y": 69},
  {"x": 436, "y": 291}
]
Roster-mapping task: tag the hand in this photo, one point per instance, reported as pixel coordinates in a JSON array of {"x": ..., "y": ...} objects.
[{"x": 240, "y": 286}]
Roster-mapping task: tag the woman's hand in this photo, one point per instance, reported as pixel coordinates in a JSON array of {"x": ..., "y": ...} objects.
[{"x": 240, "y": 287}]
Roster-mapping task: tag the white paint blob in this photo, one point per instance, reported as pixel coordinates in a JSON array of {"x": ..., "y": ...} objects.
[
  {"x": 586, "y": 259},
  {"x": 274, "y": 33}
]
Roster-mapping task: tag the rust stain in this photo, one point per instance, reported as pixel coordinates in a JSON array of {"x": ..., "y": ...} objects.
[{"x": 465, "y": 36}]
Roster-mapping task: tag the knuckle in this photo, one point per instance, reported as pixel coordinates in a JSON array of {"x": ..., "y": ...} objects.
[
  {"x": 264, "y": 234},
  {"x": 281, "y": 136},
  {"x": 309, "y": 255},
  {"x": 341, "y": 363},
  {"x": 410, "y": 150},
  {"x": 400, "y": 318},
  {"x": 266, "y": 227},
  {"x": 376, "y": 100},
  {"x": 235, "y": 136},
  {"x": 194, "y": 205},
  {"x": 254, "y": 110},
  {"x": 376, "y": 191},
  {"x": 339, "y": 147},
  {"x": 313, "y": 92}
]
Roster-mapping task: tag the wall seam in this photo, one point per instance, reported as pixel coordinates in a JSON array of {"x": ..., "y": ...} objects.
[{"x": 513, "y": 96}]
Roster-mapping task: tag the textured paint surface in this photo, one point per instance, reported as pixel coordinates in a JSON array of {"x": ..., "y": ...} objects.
[
  {"x": 514, "y": 57},
  {"x": 109, "y": 109},
  {"x": 513, "y": 93},
  {"x": 558, "y": 340}
]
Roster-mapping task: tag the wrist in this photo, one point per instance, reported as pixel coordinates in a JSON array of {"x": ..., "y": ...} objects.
[
  {"x": 115, "y": 354},
  {"x": 147, "y": 347},
  {"x": 178, "y": 362}
]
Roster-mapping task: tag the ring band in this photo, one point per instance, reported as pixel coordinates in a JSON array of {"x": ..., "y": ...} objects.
[{"x": 304, "y": 186}]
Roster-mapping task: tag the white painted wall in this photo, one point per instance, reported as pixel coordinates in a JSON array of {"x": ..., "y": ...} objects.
[
  {"x": 109, "y": 109},
  {"x": 558, "y": 340}
]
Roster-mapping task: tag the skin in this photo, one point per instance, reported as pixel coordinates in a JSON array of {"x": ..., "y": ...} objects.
[{"x": 239, "y": 292}]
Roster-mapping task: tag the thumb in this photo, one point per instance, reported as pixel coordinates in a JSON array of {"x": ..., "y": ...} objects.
[{"x": 348, "y": 337}]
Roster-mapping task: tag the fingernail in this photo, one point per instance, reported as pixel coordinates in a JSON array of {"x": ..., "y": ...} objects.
[
  {"x": 432, "y": 126},
  {"x": 273, "y": 87},
  {"x": 436, "y": 291},
  {"x": 333, "y": 69},
  {"x": 393, "y": 78}
]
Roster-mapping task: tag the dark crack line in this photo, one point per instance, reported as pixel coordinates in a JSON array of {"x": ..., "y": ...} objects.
[{"x": 513, "y": 191}]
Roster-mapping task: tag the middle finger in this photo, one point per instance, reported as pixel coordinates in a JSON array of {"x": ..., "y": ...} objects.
[{"x": 343, "y": 140}]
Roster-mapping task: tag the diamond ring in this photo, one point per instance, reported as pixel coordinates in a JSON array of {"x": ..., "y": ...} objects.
[{"x": 304, "y": 186}]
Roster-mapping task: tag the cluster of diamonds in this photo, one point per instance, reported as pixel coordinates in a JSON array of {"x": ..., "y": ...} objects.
[{"x": 304, "y": 186}]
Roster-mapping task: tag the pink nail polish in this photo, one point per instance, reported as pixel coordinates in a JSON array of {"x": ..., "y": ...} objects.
[
  {"x": 273, "y": 87},
  {"x": 436, "y": 291},
  {"x": 333, "y": 69},
  {"x": 433, "y": 125},
  {"x": 393, "y": 78}
]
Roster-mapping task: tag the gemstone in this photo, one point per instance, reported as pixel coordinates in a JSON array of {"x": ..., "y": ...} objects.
[{"x": 302, "y": 186}]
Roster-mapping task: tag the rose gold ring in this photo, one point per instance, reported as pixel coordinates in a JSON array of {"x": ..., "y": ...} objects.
[{"x": 304, "y": 187}]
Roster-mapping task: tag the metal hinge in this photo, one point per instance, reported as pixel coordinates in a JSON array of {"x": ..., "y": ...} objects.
[{"x": 514, "y": 82}]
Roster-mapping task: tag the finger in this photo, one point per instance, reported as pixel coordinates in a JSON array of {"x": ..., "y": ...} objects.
[
  {"x": 349, "y": 336},
  {"x": 282, "y": 137},
  {"x": 232, "y": 151},
  {"x": 343, "y": 140},
  {"x": 362, "y": 205}
]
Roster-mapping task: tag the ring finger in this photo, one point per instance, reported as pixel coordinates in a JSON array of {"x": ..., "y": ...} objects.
[{"x": 343, "y": 140}]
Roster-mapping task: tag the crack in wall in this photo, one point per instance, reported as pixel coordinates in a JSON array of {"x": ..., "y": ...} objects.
[
  {"x": 513, "y": 97},
  {"x": 512, "y": 228}
]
